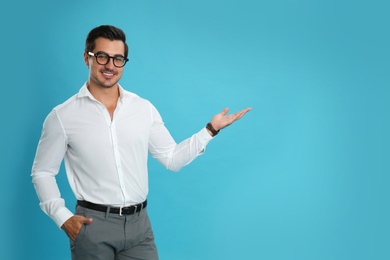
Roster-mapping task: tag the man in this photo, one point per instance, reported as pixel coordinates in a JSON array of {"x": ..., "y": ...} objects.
[{"x": 104, "y": 134}]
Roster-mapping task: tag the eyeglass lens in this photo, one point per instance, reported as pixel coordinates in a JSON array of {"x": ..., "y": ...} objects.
[{"x": 104, "y": 58}]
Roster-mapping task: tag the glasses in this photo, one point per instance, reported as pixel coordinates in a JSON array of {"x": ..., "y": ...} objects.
[{"x": 103, "y": 58}]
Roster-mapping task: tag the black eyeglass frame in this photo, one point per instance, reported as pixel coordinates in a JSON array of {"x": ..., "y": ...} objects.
[{"x": 109, "y": 57}]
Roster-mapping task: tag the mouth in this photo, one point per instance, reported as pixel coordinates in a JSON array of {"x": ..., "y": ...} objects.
[{"x": 108, "y": 74}]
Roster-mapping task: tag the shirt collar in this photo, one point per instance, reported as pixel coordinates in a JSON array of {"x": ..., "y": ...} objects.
[{"x": 84, "y": 92}]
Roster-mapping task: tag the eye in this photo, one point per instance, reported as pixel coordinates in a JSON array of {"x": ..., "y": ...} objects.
[
  {"x": 102, "y": 55},
  {"x": 119, "y": 58}
]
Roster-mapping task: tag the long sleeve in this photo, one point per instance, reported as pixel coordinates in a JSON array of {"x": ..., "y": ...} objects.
[
  {"x": 50, "y": 152},
  {"x": 172, "y": 155}
]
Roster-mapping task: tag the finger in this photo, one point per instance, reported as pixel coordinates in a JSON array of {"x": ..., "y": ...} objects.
[
  {"x": 238, "y": 115},
  {"x": 86, "y": 220},
  {"x": 243, "y": 112},
  {"x": 224, "y": 111}
]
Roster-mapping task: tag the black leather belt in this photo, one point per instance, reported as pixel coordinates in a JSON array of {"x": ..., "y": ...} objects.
[{"x": 116, "y": 210}]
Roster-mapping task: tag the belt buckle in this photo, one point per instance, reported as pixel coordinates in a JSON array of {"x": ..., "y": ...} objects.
[{"x": 121, "y": 208}]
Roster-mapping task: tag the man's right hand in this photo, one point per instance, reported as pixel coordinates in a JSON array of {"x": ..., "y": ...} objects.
[{"x": 73, "y": 225}]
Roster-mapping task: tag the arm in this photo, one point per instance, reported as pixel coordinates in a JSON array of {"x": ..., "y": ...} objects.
[
  {"x": 175, "y": 156},
  {"x": 49, "y": 155}
]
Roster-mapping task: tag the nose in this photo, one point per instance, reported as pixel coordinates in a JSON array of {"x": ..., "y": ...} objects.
[{"x": 110, "y": 64}]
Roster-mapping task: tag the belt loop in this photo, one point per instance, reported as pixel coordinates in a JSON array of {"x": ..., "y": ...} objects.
[
  {"x": 107, "y": 211},
  {"x": 141, "y": 206}
]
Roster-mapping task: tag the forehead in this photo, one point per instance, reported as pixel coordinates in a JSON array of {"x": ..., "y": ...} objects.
[{"x": 112, "y": 47}]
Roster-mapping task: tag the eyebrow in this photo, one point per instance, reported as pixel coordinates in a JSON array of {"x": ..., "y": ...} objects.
[{"x": 115, "y": 55}]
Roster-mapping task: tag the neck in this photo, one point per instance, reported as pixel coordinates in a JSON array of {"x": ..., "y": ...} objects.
[{"x": 107, "y": 96}]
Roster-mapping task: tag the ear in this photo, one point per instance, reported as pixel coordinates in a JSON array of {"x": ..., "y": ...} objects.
[{"x": 86, "y": 59}]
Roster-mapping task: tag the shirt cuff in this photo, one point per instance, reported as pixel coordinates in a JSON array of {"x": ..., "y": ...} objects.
[
  {"x": 204, "y": 136},
  {"x": 61, "y": 216}
]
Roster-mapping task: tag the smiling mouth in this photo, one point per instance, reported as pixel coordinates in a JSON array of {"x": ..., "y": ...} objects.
[{"x": 108, "y": 74}]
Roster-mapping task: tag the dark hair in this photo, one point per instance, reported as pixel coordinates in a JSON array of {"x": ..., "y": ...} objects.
[{"x": 108, "y": 32}]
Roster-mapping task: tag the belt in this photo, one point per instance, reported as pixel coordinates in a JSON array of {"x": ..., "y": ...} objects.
[{"x": 116, "y": 210}]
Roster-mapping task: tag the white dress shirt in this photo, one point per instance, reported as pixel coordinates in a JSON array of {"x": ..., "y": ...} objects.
[{"x": 105, "y": 160}]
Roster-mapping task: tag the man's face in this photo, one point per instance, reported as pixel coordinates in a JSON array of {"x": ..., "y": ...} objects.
[{"x": 105, "y": 76}]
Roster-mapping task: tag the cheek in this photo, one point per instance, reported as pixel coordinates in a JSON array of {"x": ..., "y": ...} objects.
[{"x": 120, "y": 73}]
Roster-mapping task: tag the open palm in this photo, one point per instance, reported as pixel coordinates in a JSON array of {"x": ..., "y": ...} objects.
[{"x": 222, "y": 120}]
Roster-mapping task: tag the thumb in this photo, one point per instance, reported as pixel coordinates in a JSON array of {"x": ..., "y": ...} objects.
[
  {"x": 224, "y": 111},
  {"x": 86, "y": 220}
]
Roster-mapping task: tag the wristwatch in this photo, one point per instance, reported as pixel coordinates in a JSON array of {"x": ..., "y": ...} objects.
[{"x": 211, "y": 129}]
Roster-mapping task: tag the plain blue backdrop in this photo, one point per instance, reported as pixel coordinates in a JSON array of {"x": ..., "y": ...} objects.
[{"x": 304, "y": 175}]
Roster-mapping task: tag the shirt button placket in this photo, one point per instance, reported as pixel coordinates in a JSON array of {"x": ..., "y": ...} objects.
[{"x": 117, "y": 157}]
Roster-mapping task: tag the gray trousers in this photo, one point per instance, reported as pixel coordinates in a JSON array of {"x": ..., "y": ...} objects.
[{"x": 114, "y": 237}]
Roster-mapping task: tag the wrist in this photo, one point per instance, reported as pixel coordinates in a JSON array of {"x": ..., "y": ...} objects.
[{"x": 211, "y": 129}]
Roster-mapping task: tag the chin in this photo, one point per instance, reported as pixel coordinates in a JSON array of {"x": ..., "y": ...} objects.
[{"x": 108, "y": 85}]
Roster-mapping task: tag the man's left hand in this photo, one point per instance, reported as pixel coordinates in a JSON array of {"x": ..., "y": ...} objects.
[{"x": 222, "y": 120}]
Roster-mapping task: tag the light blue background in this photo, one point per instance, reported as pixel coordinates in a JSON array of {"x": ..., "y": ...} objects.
[{"x": 305, "y": 175}]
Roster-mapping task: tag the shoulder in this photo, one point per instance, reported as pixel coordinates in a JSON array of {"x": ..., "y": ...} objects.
[
  {"x": 66, "y": 104},
  {"x": 140, "y": 105},
  {"x": 132, "y": 98}
]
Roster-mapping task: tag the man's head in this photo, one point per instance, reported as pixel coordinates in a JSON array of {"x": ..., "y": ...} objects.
[
  {"x": 105, "y": 55},
  {"x": 108, "y": 32}
]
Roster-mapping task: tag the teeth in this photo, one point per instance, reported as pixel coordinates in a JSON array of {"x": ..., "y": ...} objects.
[{"x": 108, "y": 74}]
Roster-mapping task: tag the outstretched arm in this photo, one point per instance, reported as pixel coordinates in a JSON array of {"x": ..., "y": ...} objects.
[
  {"x": 175, "y": 156},
  {"x": 222, "y": 120}
]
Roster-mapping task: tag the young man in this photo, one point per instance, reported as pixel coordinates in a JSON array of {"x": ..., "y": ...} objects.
[{"x": 104, "y": 134}]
